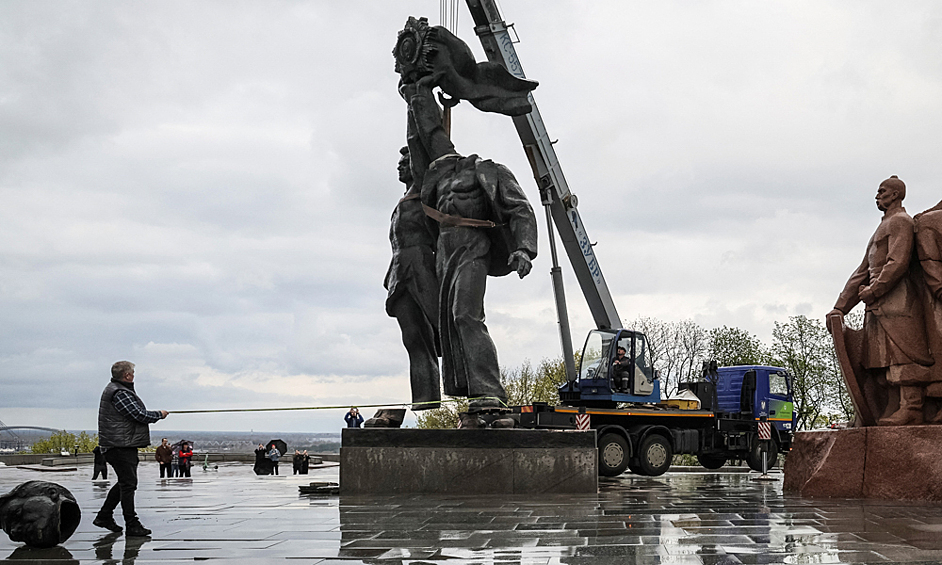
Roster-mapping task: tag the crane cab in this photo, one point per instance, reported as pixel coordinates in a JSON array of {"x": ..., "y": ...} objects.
[{"x": 615, "y": 366}]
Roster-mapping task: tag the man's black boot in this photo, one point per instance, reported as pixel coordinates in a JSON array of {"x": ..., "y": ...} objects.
[
  {"x": 137, "y": 530},
  {"x": 107, "y": 522}
]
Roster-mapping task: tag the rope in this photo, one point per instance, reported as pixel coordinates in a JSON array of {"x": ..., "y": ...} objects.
[
  {"x": 448, "y": 15},
  {"x": 404, "y": 404}
]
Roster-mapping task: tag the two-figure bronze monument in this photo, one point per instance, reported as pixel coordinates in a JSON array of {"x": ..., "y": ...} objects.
[{"x": 462, "y": 219}]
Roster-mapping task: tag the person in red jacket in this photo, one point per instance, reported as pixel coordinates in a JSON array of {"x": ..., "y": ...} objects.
[{"x": 186, "y": 454}]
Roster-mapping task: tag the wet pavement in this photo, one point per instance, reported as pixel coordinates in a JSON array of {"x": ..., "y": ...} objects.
[{"x": 709, "y": 518}]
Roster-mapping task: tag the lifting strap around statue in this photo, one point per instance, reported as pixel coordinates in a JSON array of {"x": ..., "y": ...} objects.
[{"x": 449, "y": 219}]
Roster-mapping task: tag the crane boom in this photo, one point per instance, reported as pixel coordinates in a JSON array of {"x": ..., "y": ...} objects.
[{"x": 554, "y": 190}]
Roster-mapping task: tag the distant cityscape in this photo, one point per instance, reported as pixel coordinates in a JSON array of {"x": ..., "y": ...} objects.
[{"x": 216, "y": 442}]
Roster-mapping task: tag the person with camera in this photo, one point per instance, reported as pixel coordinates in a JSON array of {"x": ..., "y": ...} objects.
[{"x": 353, "y": 418}]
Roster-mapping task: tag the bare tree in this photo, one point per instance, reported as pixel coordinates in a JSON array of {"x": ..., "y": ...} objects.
[{"x": 677, "y": 349}]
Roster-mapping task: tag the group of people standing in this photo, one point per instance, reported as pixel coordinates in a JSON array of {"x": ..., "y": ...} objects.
[
  {"x": 301, "y": 462},
  {"x": 266, "y": 459},
  {"x": 175, "y": 460}
]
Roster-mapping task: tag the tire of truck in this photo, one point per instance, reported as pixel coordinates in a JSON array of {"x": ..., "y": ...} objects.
[
  {"x": 711, "y": 461},
  {"x": 754, "y": 458},
  {"x": 654, "y": 456},
  {"x": 613, "y": 455}
]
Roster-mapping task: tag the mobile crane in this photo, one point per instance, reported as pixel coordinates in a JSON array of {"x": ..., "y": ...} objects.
[{"x": 743, "y": 412}]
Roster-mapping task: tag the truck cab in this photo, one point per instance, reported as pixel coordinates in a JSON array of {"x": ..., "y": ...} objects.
[
  {"x": 615, "y": 366},
  {"x": 756, "y": 392},
  {"x": 743, "y": 397}
]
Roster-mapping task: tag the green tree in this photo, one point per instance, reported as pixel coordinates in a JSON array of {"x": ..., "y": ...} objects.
[
  {"x": 804, "y": 347},
  {"x": 86, "y": 443},
  {"x": 524, "y": 385},
  {"x": 444, "y": 417},
  {"x": 735, "y": 346},
  {"x": 66, "y": 441}
]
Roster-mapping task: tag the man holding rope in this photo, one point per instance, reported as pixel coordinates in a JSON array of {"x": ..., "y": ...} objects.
[{"x": 123, "y": 428}]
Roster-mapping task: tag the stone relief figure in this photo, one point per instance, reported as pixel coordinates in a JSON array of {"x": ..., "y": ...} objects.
[
  {"x": 412, "y": 287},
  {"x": 39, "y": 513},
  {"x": 483, "y": 223},
  {"x": 888, "y": 365},
  {"x": 929, "y": 255}
]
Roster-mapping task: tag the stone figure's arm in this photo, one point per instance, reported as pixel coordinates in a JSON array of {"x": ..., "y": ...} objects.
[
  {"x": 426, "y": 117},
  {"x": 516, "y": 211},
  {"x": 849, "y": 297},
  {"x": 898, "y": 255}
]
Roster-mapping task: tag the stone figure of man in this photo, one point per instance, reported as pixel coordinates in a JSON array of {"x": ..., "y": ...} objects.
[
  {"x": 412, "y": 287},
  {"x": 485, "y": 227},
  {"x": 894, "y": 352},
  {"x": 929, "y": 254}
]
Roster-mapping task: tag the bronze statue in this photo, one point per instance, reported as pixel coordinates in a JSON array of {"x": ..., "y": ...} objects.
[
  {"x": 889, "y": 364},
  {"x": 39, "y": 513},
  {"x": 412, "y": 287},
  {"x": 483, "y": 223},
  {"x": 423, "y": 50}
]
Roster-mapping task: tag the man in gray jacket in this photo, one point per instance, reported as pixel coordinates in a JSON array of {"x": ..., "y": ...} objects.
[{"x": 122, "y": 428}]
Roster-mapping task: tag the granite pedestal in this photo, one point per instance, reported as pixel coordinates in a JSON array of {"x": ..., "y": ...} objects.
[
  {"x": 884, "y": 462},
  {"x": 476, "y": 461}
]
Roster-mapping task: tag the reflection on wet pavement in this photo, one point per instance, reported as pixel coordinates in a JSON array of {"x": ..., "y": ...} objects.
[{"x": 679, "y": 518}]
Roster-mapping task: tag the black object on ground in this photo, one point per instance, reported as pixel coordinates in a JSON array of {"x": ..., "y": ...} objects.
[
  {"x": 39, "y": 513},
  {"x": 320, "y": 488}
]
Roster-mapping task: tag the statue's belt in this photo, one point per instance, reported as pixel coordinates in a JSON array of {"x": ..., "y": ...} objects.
[{"x": 449, "y": 219}]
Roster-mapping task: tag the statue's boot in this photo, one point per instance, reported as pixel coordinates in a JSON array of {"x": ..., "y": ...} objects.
[
  {"x": 910, "y": 408},
  {"x": 468, "y": 421}
]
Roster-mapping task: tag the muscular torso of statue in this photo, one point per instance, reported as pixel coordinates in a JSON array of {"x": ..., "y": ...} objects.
[
  {"x": 461, "y": 195},
  {"x": 409, "y": 226}
]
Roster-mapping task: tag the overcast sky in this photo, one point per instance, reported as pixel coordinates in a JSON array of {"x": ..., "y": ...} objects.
[{"x": 204, "y": 188}]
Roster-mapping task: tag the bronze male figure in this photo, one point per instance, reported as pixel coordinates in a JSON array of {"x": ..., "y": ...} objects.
[
  {"x": 485, "y": 227},
  {"x": 413, "y": 289}
]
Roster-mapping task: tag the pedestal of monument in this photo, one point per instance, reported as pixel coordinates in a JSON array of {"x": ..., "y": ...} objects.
[
  {"x": 890, "y": 463},
  {"x": 476, "y": 461}
]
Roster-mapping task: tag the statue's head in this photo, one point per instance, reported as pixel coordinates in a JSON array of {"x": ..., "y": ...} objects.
[
  {"x": 40, "y": 514},
  {"x": 405, "y": 166},
  {"x": 891, "y": 193}
]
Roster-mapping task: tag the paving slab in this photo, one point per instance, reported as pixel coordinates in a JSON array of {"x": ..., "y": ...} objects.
[{"x": 698, "y": 518}]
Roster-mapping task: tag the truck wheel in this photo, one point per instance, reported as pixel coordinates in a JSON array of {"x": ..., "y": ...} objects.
[
  {"x": 613, "y": 455},
  {"x": 711, "y": 461},
  {"x": 654, "y": 457},
  {"x": 754, "y": 459}
]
